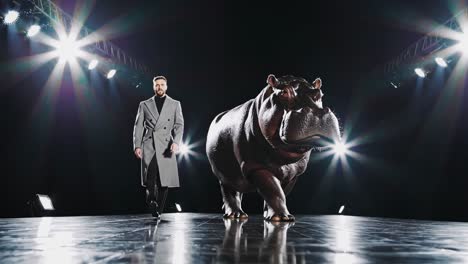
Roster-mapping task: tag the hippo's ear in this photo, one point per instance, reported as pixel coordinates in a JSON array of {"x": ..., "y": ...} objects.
[
  {"x": 317, "y": 83},
  {"x": 272, "y": 81}
]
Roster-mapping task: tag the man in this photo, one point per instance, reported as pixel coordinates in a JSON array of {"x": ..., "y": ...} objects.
[{"x": 157, "y": 135}]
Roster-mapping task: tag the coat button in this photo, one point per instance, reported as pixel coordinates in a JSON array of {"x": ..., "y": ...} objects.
[
  {"x": 169, "y": 119},
  {"x": 164, "y": 127}
]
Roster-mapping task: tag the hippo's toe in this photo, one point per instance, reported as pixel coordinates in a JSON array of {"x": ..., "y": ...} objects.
[
  {"x": 291, "y": 218},
  {"x": 229, "y": 216},
  {"x": 236, "y": 215},
  {"x": 243, "y": 215},
  {"x": 280, "y": 218}
]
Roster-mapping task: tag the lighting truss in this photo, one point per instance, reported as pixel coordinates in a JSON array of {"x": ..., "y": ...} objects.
[
  {"x": 423, "y": 46},
  {"x": 110, "y": 50}
]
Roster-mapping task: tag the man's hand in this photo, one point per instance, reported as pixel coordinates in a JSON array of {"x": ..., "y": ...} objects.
[
  {"x": 138, "y": 153},
  {"x": 174, "y": 148}
]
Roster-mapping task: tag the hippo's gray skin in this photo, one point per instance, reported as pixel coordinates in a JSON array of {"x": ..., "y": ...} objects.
[{"x": 265, "y": 143}]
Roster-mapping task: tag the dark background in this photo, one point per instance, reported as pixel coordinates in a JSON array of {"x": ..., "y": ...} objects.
[{"x": 216, "y": 55}]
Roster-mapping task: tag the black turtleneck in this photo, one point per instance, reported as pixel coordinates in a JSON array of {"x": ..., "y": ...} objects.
[{"x": 159, "y": 101}]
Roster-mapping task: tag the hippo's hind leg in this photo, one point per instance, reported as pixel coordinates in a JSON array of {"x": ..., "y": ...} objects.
[
  {"x": 232, "y": 203},
  {"x": 272, "y": 192}
]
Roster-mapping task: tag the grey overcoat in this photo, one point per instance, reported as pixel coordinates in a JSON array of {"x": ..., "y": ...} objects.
[{"x": 154, "y": 133}]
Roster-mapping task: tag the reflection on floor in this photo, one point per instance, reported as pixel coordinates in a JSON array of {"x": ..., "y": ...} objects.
[{"x": 207, "y": 238}]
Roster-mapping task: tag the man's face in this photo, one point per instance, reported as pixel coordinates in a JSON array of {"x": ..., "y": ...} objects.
[{"x": 160, "y": 87}]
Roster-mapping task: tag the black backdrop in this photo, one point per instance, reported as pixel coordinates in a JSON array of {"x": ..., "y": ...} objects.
[{"x": 217, "y": 55}]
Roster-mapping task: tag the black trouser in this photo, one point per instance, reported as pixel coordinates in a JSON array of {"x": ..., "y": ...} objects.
[{"x": 154, "y": 191}]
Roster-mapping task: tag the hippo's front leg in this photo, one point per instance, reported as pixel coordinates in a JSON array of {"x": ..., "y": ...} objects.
[
  {"x": 287, "y": 188},
  {"x": 270, "y": 189}
]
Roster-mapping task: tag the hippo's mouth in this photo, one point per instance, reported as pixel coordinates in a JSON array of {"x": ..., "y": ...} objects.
[
  {"x": 303, "y": 128},
  {"x": 312, "y": 141},
  {"x": 317, "y": 143},
  {"x": 301, "y": 146}
]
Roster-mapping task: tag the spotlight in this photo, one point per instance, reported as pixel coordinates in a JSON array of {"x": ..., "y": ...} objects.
[
  {"x": 184, "y": 149},
  {"x": 33, "y": 30},
  {"x": 41, "y": 205},
  {"x": 394, "y": 85},
  {"x": 341, "y": 209},
  {"x": 46, "y": 202},
  {"x": 67, "y": 48},
  {"x": 441, "y": 62},
  {"x": 340, "y": 148},
  {"x": 11, "y": 17},
  {"x": 93, "y": 64},
  {"x": 179, "y": 209},
  {"x": 420, "y": 72},
  {"x": 111, "y": 73}
]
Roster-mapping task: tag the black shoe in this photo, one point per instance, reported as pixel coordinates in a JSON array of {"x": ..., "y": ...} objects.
[{"x": 153, "y": 206}]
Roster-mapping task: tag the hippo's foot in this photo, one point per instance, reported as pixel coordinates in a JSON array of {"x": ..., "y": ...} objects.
[
  {"x": 232, "y": 203},
  {"x": 270, "y": 214},
  {"x": 279, "y": 217},
  {"x": 235, "y": 214}
]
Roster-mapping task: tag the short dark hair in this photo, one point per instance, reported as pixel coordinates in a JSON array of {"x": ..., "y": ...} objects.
[{"x": 160, "y": 77}]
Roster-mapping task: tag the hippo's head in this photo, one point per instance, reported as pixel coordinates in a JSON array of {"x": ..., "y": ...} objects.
[{"x": 292, "y": 114}]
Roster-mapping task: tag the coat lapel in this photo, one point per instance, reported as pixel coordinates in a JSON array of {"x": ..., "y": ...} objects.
[{"x": 153, "y": 110}]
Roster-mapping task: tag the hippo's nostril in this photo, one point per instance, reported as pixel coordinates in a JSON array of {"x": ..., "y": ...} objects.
[{"x": 326, "y": 110}]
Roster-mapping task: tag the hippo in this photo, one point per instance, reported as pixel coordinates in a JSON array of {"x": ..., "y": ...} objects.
[{"x": 265, "y": 143}]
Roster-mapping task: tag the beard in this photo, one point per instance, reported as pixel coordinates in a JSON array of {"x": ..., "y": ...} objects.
[{"x": 160, "y": 93}]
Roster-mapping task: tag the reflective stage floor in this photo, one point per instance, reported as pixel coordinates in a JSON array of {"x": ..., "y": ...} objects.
[{"x": 207, "y": 238}]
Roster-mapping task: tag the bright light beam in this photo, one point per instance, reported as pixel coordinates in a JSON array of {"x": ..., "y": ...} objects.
[
  {"x": 340, "y": 148},
  {"x": 67, "y": 49},
  {"x": 184, "y": 149},
  {"x": 463, "y": 44},
  {"x": 187, "y": 150}
]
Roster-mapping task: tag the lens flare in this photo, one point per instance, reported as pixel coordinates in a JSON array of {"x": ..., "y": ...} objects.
[
  {"x": 340, "y": 148},
  {"x": 463, "y": 43},
  {"x": 184, "y": 149},
  {"x": 67, "y": 49}
]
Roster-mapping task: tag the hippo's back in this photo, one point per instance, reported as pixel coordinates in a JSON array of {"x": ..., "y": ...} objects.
[{"x": 225, "y": 135}]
